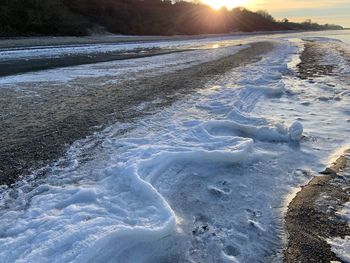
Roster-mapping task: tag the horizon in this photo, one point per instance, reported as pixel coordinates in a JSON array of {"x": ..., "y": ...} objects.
[{"x": 324, "y": 12}]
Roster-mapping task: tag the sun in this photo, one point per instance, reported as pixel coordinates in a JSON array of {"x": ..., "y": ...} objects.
[{"x": 217, "y": 4}]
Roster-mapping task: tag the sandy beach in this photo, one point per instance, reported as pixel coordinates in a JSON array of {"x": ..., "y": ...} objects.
[
  {"x": 35, "y": 132},
  {"x": 178, "y": 151},
  {"x": 312, "y": 220}
]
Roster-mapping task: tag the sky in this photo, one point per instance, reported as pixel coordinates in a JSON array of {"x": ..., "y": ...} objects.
[{"x": 321, "y": 11}]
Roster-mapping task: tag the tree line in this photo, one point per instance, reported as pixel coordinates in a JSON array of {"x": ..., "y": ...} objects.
[{"x": 134, "y": 17}]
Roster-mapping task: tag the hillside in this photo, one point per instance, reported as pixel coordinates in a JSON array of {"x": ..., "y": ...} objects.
[{"x": 133, "y": 17}]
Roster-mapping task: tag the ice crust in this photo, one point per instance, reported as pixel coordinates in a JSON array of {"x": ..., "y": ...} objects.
[
  {"x": 341, "y": 246},
  {"x": 201, "y": 181},
  {"x": 27, "y": 53},
  {"x": 115, "y": 71}
]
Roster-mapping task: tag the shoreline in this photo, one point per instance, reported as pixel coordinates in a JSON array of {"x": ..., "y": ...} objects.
[
  {"x": 39, "y": 132},
  {"x": 19, "y": 66},
  {"x": 42, "y": 41},
  {"x": 311, "y": 218}
]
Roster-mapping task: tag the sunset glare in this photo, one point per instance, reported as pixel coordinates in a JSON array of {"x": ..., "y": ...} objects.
[{"x": 217, "y": 4}]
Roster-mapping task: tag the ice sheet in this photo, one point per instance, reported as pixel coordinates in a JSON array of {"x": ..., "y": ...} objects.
[{"x": 201, "y": 181}]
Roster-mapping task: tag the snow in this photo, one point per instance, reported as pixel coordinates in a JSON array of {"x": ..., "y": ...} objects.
[
  {"x": 116, "y": 71},
  {"x": 341, "y": 246},
  {"x": 296, "y": 131},
  {"x": 65, "y": 220},
  {"x": 335, "y": 53},
  {"x": 201, "y": 181},
  {"x": 91, "y": 49}
]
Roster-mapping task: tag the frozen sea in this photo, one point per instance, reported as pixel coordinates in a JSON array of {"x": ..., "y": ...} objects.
[{"x": 207, "y": 179}]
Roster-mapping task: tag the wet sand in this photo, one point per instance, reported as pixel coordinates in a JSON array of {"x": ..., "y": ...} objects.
[
  {"x": 312, "y": 218},
  {"x": 34, "y": 131},
  {"x": 21, "y": 42},
  {"x": 12, "y": 67},
  {"x": 89, "y": 40},
  {"x": 310, "y": 67}
]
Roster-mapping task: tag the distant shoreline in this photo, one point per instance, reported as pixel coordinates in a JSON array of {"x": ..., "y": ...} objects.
[
  {"x": 23, "y": 41},
  {"x": 28, "y": 41},
  {"x": 13, "y": 66}
]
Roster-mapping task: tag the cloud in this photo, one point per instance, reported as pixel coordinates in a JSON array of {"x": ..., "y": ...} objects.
[
  {"x": 277, "y": 5},
  {"x": 326, "y": 11}
]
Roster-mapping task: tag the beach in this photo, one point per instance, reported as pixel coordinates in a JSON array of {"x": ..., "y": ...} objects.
[
  {"x": 212, "y": 149},
  {"x": 37, "y": 132}
]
